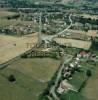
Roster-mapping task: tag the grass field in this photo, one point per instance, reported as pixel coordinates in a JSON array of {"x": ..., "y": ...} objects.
[
  {"x": 31, "y": 78},
  {"x": 8, "y": 50},
  {"x": 72, "y": 96},
  {"x": 91, "y": 89},
  {"x": 89, "y": 92}
]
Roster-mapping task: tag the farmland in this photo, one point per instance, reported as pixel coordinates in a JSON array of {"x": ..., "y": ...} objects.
[
  {"x": 73, "y": 43},
  {"x": 91, "y": 88},
  {"x": 31, "y": 76},
  {"x": 11, "y": 47},
  {"x": 6, "y": 13}
]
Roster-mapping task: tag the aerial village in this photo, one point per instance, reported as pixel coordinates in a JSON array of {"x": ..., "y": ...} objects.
[{"x": 55, "y": 46}]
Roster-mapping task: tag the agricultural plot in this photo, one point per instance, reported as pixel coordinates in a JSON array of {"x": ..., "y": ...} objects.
[
  {"x": 6, "y": 13},
  {"x": 73, "y": 43},
  {"x": 90, "y": 33},
  {"x": 90, "y": 91},
  {"x": 88, "y": 16},
  {"x": 11, "y": 47},
  {"x": 31, "y": 76},
  {"x": 5, "y": 22}
]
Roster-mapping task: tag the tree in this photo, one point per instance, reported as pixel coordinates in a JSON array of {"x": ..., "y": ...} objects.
[
  {"x": 11, "y": 78},
  {"x": 88, "y": 73}
]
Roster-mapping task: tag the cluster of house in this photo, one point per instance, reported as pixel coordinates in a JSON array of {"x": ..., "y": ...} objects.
[
  {"x": 88, "y": 56},
  {"x": 69, "y": 70},
  {"x": 17, "y": 29},
  {"x": 67, "y": 73}
]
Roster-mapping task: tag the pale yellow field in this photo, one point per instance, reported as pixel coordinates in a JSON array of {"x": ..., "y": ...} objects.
[
  {"x": 6, "y": 13},
  {"x": 88, "y": 16},
  {"x": 11, "y": 47},
  {"x": 92, "y": 33},
  {"x": 73, "y": 43}
]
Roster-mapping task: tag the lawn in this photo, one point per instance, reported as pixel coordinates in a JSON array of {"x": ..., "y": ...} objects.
[{"x": 31, "y": 76}]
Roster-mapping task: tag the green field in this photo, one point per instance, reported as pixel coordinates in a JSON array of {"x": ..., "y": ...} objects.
[
  {"x": 72, "y": 96},
  {"x": 31, "y": 76},
  {"x": 91, "y": 89}
]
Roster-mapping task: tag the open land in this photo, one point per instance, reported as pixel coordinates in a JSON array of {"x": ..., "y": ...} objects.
[
  {"x": 6, "y": 13},
  {"x": 91, "y": 89},
  {"x": 88, "y": 16},
  {"x": 11, "y": 47},
  {"x": 73, "y": 43},
  {"x": 31, "y": 76}
]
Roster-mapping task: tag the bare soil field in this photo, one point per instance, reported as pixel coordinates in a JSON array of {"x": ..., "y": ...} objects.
[
  {"x": 73, "y": 43},
  {"x": 11, "y": 47}
]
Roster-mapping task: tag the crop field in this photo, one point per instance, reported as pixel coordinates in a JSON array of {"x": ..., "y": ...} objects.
[
  {"x": 5, "y": 22},
  {"x": 11, "y": 47},
  {"x": 31, "y": 76},
  {"x": 88, "y": 16},
  {"x": 6, "y": 13},
  {"x": 73, "y": 43},
  {"x": 90, "y": 33}
]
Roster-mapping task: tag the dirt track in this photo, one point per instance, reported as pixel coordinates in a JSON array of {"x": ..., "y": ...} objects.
[{"x": 11, "y": 47}]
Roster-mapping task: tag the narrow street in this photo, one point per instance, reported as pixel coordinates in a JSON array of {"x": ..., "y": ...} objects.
[{"x": 65, "y": 60}]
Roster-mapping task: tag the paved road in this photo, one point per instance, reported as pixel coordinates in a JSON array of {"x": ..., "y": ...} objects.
[{"x": 66, "y": 59}]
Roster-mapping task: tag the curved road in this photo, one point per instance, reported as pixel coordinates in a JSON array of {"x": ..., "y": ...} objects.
[
  {"x": 50, "y": 38},
  {"x": 65, "y": 60}
]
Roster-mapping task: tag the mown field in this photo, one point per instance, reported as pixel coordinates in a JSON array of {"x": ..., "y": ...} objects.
[
  {"x": 8, "y": 50},
  {"x": 91, "y": 89},
  {"x": 31, "y": 76},
  {"x": 5, "y": 22},
  {"x": 4, "y": 13},
  {"x": 73, "y": 43}
]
